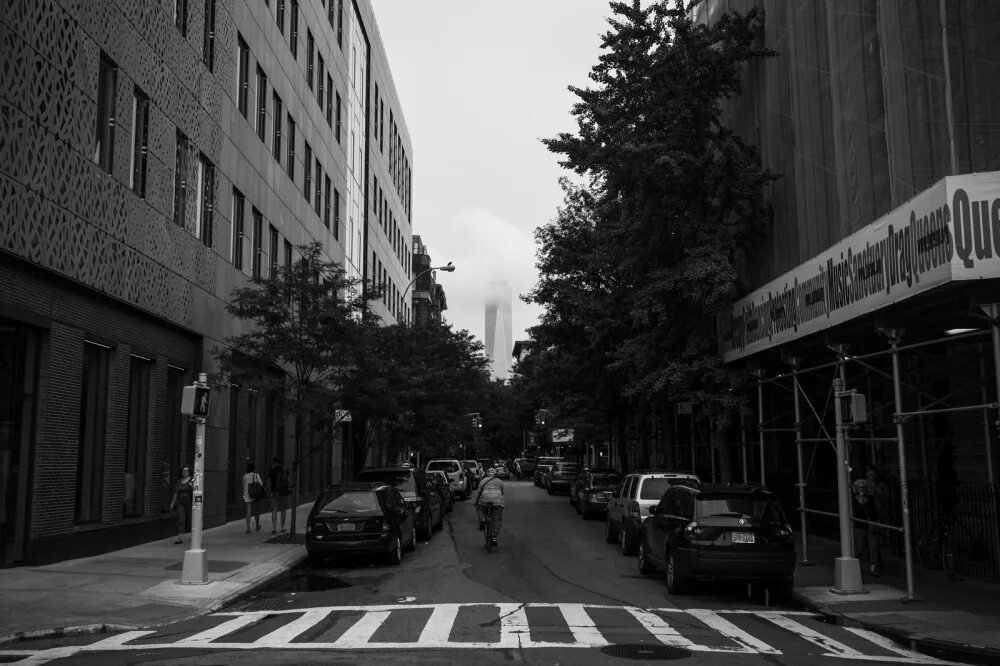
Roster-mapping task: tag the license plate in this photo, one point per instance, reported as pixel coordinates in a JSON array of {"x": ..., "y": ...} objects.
[
  {"x": 348, "y": 527},
  {"x": 742, "y": 537}
]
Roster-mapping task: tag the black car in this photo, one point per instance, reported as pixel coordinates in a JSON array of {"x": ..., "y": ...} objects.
[
  {"x": 718, "y": 532},
  {"x": 419, "y": 496},
  {"x": 359, "y": 518},
  {"x": 592, "y": 490},
  {"x": 561, "y": 476},
  {"x": 439, "y": 481}
]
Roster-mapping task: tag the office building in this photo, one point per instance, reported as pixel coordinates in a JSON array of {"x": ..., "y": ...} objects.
[{"x": 499, "y": 329}]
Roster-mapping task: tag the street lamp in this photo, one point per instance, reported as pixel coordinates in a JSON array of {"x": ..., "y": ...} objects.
[{"x": 450, "y": 268}]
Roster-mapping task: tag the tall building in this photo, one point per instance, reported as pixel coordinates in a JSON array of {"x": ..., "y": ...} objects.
[
  {"x": 428, "y": 297},
  {"x": 499, "y": 329},
  {"x": 156, "y": 156}
]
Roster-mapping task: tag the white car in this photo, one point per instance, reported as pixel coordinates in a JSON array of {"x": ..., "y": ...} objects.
[{"x": 455, "y": 473}]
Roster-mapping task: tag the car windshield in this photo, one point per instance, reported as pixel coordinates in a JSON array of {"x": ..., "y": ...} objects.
[
  {"x": 402, "y": 480},
  {"x": 605, "y": 479},
  {"x": 757, "y": 509},
  {"x": 653, "y": 489},
  {"x": 443, "y": 465},
  {"x": 351, "y": 501}
]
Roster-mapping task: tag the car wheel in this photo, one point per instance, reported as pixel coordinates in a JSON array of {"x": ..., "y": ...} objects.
[
  {"x": 411, "y": 546},
  {"x": 396, "y": 554},
  {"x": 610, "y": 533},
  {"x": 676, "y": 584},
  {"x": 627, "y": 541},
  {"x": 645, "y": 566}
]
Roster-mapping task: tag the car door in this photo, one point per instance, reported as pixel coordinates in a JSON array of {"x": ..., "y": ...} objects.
[
  {"x": 617, "y": 506},
  {"x": 429, "y": 495},
  {"x": 630, "y": 507},
  {"x": 401, "y": 516},
  {"x": 655, "y": 529}
]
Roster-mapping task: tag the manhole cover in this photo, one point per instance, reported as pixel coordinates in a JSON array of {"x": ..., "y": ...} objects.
[
  {"x": 269, "y": 604},
  {"x": 640, "y": 652}
]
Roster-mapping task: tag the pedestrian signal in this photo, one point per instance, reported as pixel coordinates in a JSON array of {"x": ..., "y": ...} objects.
[{"x": 195, "y": 401}]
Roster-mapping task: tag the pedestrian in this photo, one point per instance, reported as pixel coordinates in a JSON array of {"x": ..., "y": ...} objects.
[
  {"x": 253, "y": 490},
  {"x": 274, "y": 475},
  {"x": 181, "y": 502},
  {"x": 866, "y": 536}
]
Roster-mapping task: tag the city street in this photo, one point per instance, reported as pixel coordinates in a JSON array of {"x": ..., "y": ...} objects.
[{"x": 553, "y": 593}]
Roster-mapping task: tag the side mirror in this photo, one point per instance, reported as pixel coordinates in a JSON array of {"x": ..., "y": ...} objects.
[{"x": 653, "y": 510}]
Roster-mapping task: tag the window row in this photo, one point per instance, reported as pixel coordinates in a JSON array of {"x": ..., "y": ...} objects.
[
  {"x": 390, "y": 227},
  {"x": 208, "y": 32},
  {"x": 399, "y": 162},
  {"x": 391, "y": 296}
]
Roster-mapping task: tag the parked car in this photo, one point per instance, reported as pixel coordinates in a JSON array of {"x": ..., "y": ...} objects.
[
  {"x": 455, "y": 473},
  {"x": 525, "y": 467},
  {"x": 438, "y": 480},
  {"x": 718, "y": 532},
  {"x": 412, "y": 485},
  {"x": 561, "y": 476},
  {"x": 593, "y": 490},
  {"x": 359, "y": 518},
  {"x": 581, "y": 478},
  {"x": 502, "y": 472},
  {"x": 542, "y": 468},
  {"x": 631, "y": 502},
  {"x": 474, "y": 474}
]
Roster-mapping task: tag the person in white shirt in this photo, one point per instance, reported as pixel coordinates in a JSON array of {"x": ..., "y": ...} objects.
[{"x": 490, "y": 492}]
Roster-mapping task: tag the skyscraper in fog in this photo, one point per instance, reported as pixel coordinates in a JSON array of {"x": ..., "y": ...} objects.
[{"x": 499, "y": 329}]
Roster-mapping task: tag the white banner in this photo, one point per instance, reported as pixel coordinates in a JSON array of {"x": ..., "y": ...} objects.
[{"x": 948, "y": 232}]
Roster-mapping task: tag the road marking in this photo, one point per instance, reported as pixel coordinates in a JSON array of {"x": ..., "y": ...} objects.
[
  {"x": 227, "y": 627},
  {"x": 292, "y": 630},
  {"x": 362, "y": 631},
  {"x": 438, "y": 628},
  {"x": 750, "y": 643},
  {"x": 582, "y": 625},
  {"x": 514, "y": 630},
  {"x": 907, "y": 656},
  {"x": 833, "y": 648},
  {"x": 657, "y": 626}
]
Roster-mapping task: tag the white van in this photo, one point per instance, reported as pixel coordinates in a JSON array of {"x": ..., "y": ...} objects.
[{"x": 455, "y": 473}]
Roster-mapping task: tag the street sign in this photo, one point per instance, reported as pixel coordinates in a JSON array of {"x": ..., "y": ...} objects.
[{"x": 343, "y": 416}]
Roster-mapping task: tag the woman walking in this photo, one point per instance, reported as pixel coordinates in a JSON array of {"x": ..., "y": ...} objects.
[
  {"x": 181, "y": 503},
  {"x": 253, "y": 489}
]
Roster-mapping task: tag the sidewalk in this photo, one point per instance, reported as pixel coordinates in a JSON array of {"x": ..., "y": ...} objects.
[
  {"x": 140, "y": 586},
  {"x": 958, "y": 618}
]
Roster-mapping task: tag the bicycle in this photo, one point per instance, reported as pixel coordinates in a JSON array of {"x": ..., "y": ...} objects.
[
  {"x": 934, "y": 547},
  {"x": 488, "y": 531}
]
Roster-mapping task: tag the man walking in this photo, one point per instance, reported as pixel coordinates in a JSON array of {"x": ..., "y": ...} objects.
[{"x": 279, "y": 490}]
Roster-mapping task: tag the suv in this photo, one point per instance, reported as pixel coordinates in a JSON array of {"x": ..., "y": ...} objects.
[
  {"x": 718, "y": 532},
  {"x": 419, "y": 496},
  {"x": 561, "y": 476},
  {"x": 525, "y": 467},
  {"x": 455, "y": 473},
  {"x": 474, "y": 474},
  {"x": 629, "y": 507}
]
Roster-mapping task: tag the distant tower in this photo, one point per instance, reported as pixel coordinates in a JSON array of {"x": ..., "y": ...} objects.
[{"x": 499, "y": 329}]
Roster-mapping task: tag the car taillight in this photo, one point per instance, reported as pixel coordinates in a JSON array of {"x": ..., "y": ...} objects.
[
  {"x": 385, "y": 526},
  {"x": 785, "y": 530},
  {"x": 694, "y": 529},
  {"x": 309, "y": 528}
]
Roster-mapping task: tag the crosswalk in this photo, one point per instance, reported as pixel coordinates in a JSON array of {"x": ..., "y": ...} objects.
[{"x": 491, "y": 626}]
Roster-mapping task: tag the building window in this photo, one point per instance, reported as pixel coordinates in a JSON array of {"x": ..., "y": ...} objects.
[
  {"x": 140, "y": 142},
  {"x": 239, "y": 205},
  {"x": 318, "y": 201},
  {"x": 293, "y": 30},
  {"x": 107, "y": 90},
  {"x": 336, "y": 131},
  {"x": 329, "y": 100},
  {"x": 181, "y": 16},
  {"x": 307, "y": 178},
  {"x": 261, "y": 103},
  {"x": 93, "y": 422},
  {"x": 310, "y": 57},
  {"x": 288, "y": 256},
  {"x": 138, "y": 431},
  {"x": 274, "y": 253},
  {"x": 180, "y": 179},
  {"x": 258, "y": 242},
  {"x": 375, "y": 114},
  {"x": 276, "y": 121},
  {"x": 242, "y": 74},
  {"x": 381, "y": 136},
  {"x": 208, "y": 48},
  {"x": 336, "y": 214},
  {"x": 320, "y": 73},
  {"x": 340, "y": 23},
  {"x": 279, "y": 15},
  {"x": 326, "y": 209},
  {"x": 291, "y": 148},
  {"x": 206, "y": 200}
]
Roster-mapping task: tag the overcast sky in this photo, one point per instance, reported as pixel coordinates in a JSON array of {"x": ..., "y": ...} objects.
[{"x": 481, "y": 82}]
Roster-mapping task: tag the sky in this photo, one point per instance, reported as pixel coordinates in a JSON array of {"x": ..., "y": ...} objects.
[{"x": 481, "y": 83}]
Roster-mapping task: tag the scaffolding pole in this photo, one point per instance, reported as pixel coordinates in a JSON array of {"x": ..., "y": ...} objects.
[
  {"x": 803, "y": 522},
  {"x": 760, "y": 424}
]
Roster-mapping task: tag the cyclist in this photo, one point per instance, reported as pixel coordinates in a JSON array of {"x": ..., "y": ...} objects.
[{"x": 490, "y": 492}]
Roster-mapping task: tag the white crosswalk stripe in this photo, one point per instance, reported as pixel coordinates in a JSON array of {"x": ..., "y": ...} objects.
[{"x": 578, "y": 625}]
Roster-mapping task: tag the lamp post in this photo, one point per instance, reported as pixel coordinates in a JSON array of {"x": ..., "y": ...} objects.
[{"x": 449, "y": 268}]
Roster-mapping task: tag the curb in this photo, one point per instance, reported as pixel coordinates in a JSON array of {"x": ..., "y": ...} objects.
[
  {"x": 932, "y": 647},
  {"x": 109, "y": 627}
]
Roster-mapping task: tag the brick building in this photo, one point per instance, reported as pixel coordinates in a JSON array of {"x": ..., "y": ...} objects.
[{"x": 155, "y": 155}]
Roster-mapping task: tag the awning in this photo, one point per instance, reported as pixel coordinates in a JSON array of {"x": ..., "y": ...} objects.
[{"x": 948, "y": 233}]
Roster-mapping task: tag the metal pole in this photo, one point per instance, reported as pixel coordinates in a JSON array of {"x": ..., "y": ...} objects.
[
  {"x": 760, "y": 424},
  {"x": 798, "y": 455},
  {"x": 993, "y": 311},
  {"x": 847, "y": 569},
  {"x": 743, "y": 448},
  {"x": 903, "y": 484},
  {"x": 195, "y": 568},
  {"x": 987, "y": 439}
]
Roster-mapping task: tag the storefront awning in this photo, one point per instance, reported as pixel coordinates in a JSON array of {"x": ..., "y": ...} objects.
[{"x": 950, "y": 232}]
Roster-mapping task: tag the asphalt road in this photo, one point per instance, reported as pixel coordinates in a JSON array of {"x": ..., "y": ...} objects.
[{"x": 552, "y": 593}]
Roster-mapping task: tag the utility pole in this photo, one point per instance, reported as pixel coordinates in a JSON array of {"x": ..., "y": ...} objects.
[{"x": 195, "y": 403}]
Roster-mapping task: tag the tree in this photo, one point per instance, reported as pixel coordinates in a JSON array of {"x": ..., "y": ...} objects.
[
  {"x": 303, "y": 322},
  {"x": 673, "y": 196}
]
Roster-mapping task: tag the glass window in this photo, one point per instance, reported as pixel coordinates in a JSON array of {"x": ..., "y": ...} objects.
[
  {"x": 261, "y": 104},
  {"x": 291, "y": 148},
  {"x": 320, "y": 73},
  {"x": 206, "y": 201},
  {"x": 443, "y": 466},
  {"x": 326, "y": 208},
  {"x": 180, "y": 179},
  {"x": 256, "y": 257},
  {"x": 239, "y": 204},
  {"x": 279, "y": 15},
  {"x": 138, "y": 429},
  {"x": 336, "y": 214},
  {"x": 340, "y": 23},
  {"x": 274, "y": 252},
  {"x": 208, "y": 46},
  {"x": 293, "y": 30},
  {"x": 288, "y": 255},
  {"x": 180, "y": 16},
  {"x": 318, "y": 201},
  {"x": 336, "y": 131},
  {"x": 401, "y": 480},
  {"x": 310, "y": 57},
  {"x": 140, "y": 142},
  {"x": 93, "y": 422},
  {"x": 351, "y": 501},
  {"x": 307, "y": 168},
  {"x": 653, "y": 489},
  {"x": 242, "y": 74},
  {"x": 757, "y": 509},
  {"x": 107, "y": 86},
  {"x": 276, "y": 121}
]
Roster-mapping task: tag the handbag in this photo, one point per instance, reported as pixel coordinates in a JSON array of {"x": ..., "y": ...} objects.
[{"x": 256, "y": 488}]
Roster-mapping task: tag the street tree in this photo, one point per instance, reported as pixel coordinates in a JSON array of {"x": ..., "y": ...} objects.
[
  {"x": 303, "y": 325},
  {"x": 673, "y": 197}
]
